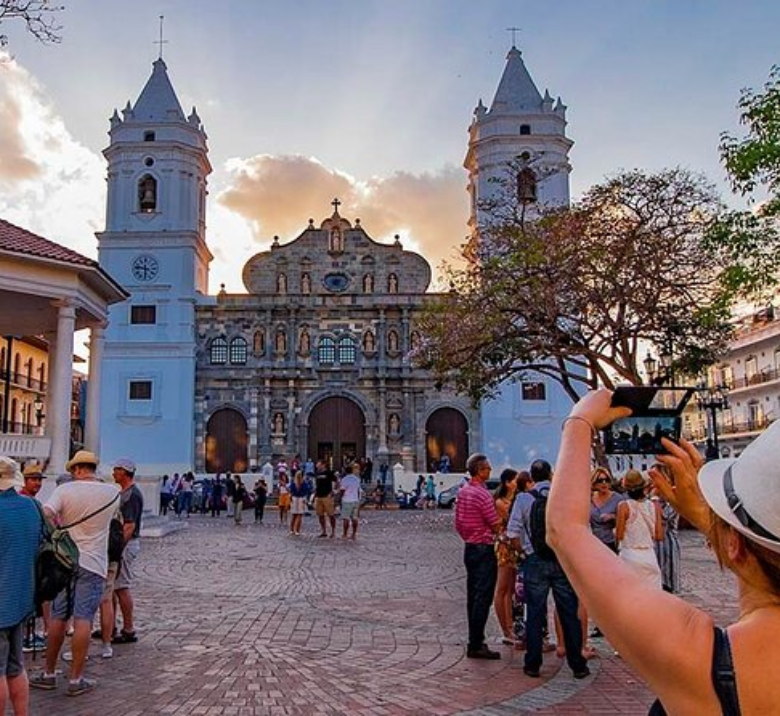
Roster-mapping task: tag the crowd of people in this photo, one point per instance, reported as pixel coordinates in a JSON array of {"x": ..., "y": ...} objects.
[{"x": 511, "y": 567}]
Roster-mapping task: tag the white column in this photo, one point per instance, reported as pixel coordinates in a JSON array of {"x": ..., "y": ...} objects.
[
  {"x": 62, "y": 374},
  {"x": 92, "y": 431}
]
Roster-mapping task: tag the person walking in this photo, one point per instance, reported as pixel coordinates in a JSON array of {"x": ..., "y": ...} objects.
[
  {"x": 325, "y": 482},
  {"x": 166, "y": 494},
  {"x": 477, "y": 523},
  {"x": 667, "y": 551},
  {"x": 20, "y": 534},
  {"x": 542, "y": 574},
  {"x": 692, "y": 666},
  {"x": 261, "y": 497},
  {"x": 239, "y": 495},
  {"x": 217, "y": 495}
]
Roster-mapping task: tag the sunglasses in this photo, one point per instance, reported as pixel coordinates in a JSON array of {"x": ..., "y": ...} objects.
[
  {"x": 602, "y": 481},
  {"x": 736, "y": 506}
]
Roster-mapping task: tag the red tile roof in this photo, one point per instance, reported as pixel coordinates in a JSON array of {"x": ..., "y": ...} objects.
[{"x": 21, "y": 241}]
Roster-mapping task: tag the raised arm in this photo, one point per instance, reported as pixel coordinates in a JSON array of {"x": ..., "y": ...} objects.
[
  {"x": 675, "y": 660},
  {"x": 620, "y": 524}
]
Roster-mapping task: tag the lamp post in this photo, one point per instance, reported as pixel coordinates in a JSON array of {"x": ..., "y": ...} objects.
[
  {"x": 651, "y": 365},
  {"x": 711, "y": 399},
  {"x": 38, "y": 405}
]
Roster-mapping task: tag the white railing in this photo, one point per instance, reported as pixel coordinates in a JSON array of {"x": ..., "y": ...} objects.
[{"x": 25, "y": 447}]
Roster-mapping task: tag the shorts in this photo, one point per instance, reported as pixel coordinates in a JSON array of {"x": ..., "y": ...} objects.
[
  {"x": 324, "y": 506},
  {"x": 284, "y": 501},
  {"x": 87, "y": 592},
  {"x": 127, "y": 571},
  {"x": 108, "y": 590},
  {"x": 298, "y": 506},
  {"x": 11, "y": 656},
  {"x": 349, "y": 510}
]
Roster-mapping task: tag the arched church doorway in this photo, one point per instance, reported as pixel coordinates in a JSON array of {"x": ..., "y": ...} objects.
[
  {"x": 446, "y": 433},
  {"x": 337, "y": 431},
  {"x": 226, "y": 442}
]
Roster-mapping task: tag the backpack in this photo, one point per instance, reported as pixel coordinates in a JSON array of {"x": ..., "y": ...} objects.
[
  {"x": 537, "y": 526},
  {"x": 58, "y": 557},
  {"x": 116, "y": 539}
]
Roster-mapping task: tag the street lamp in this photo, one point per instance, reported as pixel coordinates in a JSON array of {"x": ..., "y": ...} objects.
[
  {"x": 38, "y": 405},
  {"x": 711, "y": 399},
  {"x": 651, "y": 365}
]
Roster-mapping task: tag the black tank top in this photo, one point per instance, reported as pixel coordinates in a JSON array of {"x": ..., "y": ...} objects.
[{"x": 724, "y": 679}]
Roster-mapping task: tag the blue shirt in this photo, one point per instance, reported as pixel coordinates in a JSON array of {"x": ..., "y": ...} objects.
[
  {"x": 20, "y": 534},
  {"x": 519, "y": 524}
]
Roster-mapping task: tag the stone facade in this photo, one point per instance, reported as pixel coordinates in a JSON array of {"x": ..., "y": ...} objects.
[{"x": 327, "y": 325}]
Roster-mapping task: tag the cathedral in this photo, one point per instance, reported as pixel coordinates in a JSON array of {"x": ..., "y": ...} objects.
[{"x": 314, "y": 359}]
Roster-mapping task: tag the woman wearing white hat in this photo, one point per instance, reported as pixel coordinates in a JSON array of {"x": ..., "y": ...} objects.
[{"x": 693, "y": 667}]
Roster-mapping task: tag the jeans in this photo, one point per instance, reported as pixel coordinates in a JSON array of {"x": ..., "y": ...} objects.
[
  {"x": 539, "y": 577},
  {"x": 481, "y": 575}
]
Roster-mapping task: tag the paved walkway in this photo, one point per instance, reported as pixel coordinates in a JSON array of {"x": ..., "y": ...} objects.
[{"x": 249, "y": 621}]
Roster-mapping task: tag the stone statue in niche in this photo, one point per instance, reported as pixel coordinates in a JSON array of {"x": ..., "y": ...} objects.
[
  {"x": 368, "y": 283},
  {"x": 306, "y": 283},
  {"x": 395, "y": 424},
  {"x": 278, "y": 424},
  {"x": 281, "y": 342},
  {"x": 259, "y": 343},
  {"x": 415, "y": 340},
  {"x": 392, "y": 341},
  {"x": 392, "y": 283},
  {"x": 336, "y": 239},
  {"x": 369, "y": 342},
  {"x": 281, "y": 283},
  {"x": 305, "y": 342}
]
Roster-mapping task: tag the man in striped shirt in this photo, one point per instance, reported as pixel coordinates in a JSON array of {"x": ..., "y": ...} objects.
[{"x": 477, "y": 523}]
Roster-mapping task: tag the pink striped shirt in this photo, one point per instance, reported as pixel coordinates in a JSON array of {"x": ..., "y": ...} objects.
[{"x": 475, "y": 513}]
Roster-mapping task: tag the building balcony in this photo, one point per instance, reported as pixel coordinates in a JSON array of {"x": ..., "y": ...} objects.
[
  {"x": 731, "y": 429},
  {"x": 764, "y": 376},
  {"x": 25, "y": 447},
  {"x": 23, "y": 381}
]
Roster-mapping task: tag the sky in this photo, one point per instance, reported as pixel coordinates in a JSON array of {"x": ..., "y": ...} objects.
[{"x": 367, "y": 100}]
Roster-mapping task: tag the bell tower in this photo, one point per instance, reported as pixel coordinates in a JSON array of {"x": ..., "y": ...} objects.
[
  {"x": 525, "y": 131},
  {"x": 154, "y": 245}
]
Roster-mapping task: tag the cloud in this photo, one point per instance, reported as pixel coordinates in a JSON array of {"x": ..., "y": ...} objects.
[
  {"x": 278, "y": 195},
  {"x": 49, "y": 183}
]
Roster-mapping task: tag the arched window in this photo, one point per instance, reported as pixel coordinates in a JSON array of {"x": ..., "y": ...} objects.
[
  {"x": 526, "y": 186},
  {"x": 238, "y": 351},
  {"x": 347, "y": 350},
  {"x": 369, "y": 342},
  {"x": 147, "y": 194},
  {"x": 258, "y": 343},
  {"x": 392, "y": 283},
  {"x": 326, "y": 351},
  {"x": 392, "y": 341},
  {"x": 29, "y": 370},
  {"x": 218, "y": 351},
  {"x": 17, "y": 368},
  {"x": 41, "y": 375}
]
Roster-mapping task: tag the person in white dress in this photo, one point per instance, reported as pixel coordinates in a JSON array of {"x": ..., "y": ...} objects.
[{"x": 639, "y": 526}]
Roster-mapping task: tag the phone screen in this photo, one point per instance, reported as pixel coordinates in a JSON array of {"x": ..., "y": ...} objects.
[{"x": 641, "y": 435}]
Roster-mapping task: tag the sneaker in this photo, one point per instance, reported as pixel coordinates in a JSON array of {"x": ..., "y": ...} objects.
[
  {"x": 34, "y": 643},
  {"x": 125, "y": 637},
  {"x": 82, "y": 686},
  {"x": 107, "y": 652},
  {"x": 40, "y": 680},
  {"x": 533, "y": 673},
  {"x": 582, "y": 674},
  {"x": 482, "y": 653}
]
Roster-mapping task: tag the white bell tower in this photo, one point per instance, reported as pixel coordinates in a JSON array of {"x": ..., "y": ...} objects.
[
  {"x": 523, "y": 128},
  {"x": 521, "y": 137},
  {"x": 154, "y": 245}
]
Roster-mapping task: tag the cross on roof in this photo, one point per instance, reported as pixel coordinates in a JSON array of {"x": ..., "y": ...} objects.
[
  {"x": 161, "y": 42},
  {"x": 335, "y": 204},
  {"x": 514, "y": 31}
]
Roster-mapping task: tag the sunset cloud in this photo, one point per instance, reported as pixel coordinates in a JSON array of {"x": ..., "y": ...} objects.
[{"x": 278, "y": 194}]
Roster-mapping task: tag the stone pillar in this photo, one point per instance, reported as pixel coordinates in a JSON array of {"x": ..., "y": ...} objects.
[
  {"x": 62, "y": 373},
  {"x": 96, "y": 344},
  {"x": 254, "y": 453},
  {"x": 290, "y": 437}
]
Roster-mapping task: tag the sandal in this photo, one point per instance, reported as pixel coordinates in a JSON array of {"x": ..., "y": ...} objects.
[{"x": 125, "y": 637}]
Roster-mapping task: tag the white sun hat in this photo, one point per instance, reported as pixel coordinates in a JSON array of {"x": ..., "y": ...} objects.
[{"x": 745, "y": 491}]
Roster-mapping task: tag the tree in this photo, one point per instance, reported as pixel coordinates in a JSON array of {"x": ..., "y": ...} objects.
[
  {"x": 576, "y": 293},
  {"x": 39, "y": 17}
]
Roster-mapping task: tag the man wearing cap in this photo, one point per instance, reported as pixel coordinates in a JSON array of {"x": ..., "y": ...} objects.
[
  {"x": 20, "y": 534},
  {"x": 69, "y": 504},
  {"x": 131, "y": 505}
]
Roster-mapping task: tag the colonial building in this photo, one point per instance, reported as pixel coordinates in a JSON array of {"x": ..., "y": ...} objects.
[
  {"x": 313, "y": 360},
  {"x": 521, "y": 131}
]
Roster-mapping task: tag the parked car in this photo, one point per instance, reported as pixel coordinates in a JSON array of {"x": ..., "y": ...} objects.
[{"x": 446, "y": 498}]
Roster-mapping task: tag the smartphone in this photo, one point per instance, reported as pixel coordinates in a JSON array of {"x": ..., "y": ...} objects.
[{"x": 656, "y": 412}]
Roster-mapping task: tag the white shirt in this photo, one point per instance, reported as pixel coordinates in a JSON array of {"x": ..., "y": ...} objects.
[
  {"x": 351, "y": 486},
  {"x": 75, "y": 500}
]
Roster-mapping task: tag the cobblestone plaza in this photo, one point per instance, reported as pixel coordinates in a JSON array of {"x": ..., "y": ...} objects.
[{"x": 249, "y": 621}]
